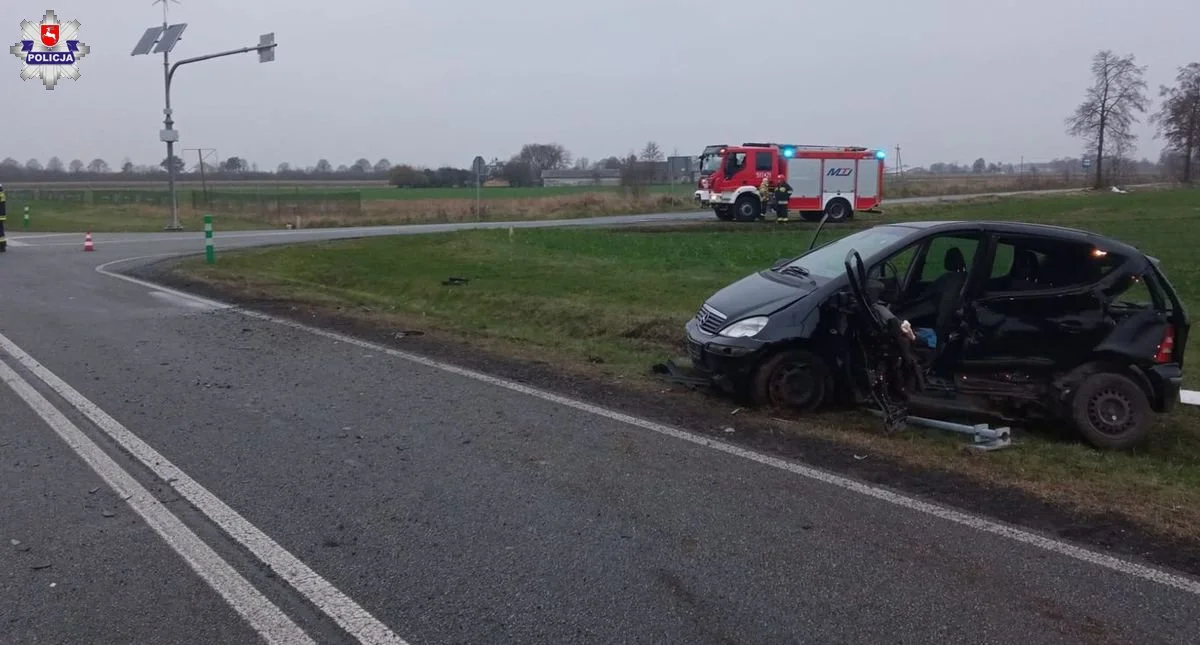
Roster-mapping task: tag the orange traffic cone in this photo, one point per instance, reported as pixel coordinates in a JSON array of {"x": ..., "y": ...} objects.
[{"x": 87, "y": 242}]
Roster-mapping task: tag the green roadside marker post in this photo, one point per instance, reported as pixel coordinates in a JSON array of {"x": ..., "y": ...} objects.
[
  {"x": 26, "y": 221},
  {"x": 209, "y": 255}
]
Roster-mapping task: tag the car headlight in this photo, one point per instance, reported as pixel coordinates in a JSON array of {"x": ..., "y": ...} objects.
[{"x": 745, "y": 328}]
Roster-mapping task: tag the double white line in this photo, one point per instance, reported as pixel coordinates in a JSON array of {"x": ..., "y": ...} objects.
[{"x": 263, "y": 615}]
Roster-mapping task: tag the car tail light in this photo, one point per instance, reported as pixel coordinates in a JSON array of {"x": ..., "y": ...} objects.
[{"x": 1166, "y": 347}]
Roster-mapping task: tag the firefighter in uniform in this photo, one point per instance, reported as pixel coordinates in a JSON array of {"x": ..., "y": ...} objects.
[
  {"x": 3, "y": 219},
  {"x": 783, "y": 192},
  {"x": 764, "y": 196}
]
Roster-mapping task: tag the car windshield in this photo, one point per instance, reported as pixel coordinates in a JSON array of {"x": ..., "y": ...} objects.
[{"x": 828, "y": 261}]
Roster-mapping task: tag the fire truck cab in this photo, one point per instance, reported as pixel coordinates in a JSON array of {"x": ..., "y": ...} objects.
[
  {"x": 710, "y": 160},
  {"x": 826, "y": 180}
]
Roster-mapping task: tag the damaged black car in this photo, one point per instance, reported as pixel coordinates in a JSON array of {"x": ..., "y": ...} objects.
[{"x": 965, "y": 320}]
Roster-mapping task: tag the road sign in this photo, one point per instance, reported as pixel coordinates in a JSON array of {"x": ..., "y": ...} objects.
[
  {"x": 1087, "y": 162},
  {"x": 266, "y": 48}
]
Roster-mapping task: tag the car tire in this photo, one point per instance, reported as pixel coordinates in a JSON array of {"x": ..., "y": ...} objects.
[
  {"x": 838, "y": 211},
  {"x": 747, "y": 208},
  {"x": 773, "y": 381},
  {"x": 1111, "y": 411}
]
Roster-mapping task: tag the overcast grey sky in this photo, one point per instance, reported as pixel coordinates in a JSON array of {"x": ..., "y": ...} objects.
[{"x": 436, "y": 83}]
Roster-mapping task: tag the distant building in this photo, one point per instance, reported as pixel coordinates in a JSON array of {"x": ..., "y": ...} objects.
[
  {"x": 594, "y": 177},
  {"x": 683, "y": 170}
]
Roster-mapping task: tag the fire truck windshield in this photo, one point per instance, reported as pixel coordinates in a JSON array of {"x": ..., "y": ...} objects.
[{"x": 710, "y": 164}]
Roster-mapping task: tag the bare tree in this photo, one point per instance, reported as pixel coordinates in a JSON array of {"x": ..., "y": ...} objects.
[
  {"x": 652, "y": 152},
  {"x": 1107, "y": 114},
  {"x": 1178, "y": 119},
  {"x": 545, "y": 156}
]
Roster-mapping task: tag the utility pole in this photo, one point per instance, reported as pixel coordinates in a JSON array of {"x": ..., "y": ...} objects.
[
  {"x": 201, "y": 153},
  {"x": 166, "y": 37}
]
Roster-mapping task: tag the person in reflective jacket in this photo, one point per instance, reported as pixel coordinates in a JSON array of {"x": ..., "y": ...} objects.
[
  {"x": 764, "y": 196},
  {"x": 783, "y": 192}
]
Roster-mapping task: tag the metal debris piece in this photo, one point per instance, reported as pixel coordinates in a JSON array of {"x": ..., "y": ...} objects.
[
  {"x": 983, "y": 436},
  {"x": 678, "y": 375}
]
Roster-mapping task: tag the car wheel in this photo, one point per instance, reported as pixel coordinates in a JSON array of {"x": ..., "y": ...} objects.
[
  {"x": 838, "y": 210},
  {"x": 1111, "y": 411},
  {"x": 795, "y": 379}
]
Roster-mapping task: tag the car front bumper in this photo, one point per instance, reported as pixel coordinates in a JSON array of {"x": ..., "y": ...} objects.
[{"x": 727, "y": 362}]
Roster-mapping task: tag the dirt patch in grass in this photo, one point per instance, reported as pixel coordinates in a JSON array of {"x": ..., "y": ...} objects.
[{"x": 587, "y": 313}]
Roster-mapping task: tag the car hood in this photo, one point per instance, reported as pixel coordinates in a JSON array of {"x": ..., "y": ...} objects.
[{"x": 758, "y": 295}]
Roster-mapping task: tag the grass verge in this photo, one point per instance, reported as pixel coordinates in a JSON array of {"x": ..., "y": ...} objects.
[{"x": 611, "y": 302}]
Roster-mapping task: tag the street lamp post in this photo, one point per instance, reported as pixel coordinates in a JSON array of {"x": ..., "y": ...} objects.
[{"x": 166, "y": 37}]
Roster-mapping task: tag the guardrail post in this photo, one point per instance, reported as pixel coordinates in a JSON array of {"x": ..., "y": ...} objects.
[
  {"x": 3, "y": 218},
  {"x": 209, "y": 254}
]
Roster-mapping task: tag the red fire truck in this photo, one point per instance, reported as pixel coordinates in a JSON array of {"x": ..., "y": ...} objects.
[{"x": 826, "y": 180}]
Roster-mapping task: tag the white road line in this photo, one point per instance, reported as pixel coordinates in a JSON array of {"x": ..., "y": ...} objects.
[
  {"x": 209, "y": 304},
  {"x": 262, "y": 615},
  {"x": 971, "y": 521},
  {"x": 39, "y": 235},
  {"x": 321, "y": 234},
  {"x": 12, "y": 241},
  {"x": 348, "y": 614}
]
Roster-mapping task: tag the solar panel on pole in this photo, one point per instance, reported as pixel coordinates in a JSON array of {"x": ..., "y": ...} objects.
[
  {"x": 170, "y": 38},
  {"x": 147, "y": 42}
]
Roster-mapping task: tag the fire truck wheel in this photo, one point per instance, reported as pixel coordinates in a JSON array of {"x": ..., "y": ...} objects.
[
  {"x": 812, "y": 216},
  {"x": 838, "y": 210},
  {"x": 747, "y": 208},
  {"x": 723, "y": 213}
]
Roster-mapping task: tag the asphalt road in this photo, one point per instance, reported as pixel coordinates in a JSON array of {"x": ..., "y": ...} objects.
[{"x": 175, "y": 472}]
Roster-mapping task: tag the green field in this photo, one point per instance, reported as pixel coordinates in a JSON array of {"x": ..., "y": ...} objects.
[
  {"x": 588, "y": 289},
  {"x": 248, "y": 207},
  {"x": 612, "y": 302}
]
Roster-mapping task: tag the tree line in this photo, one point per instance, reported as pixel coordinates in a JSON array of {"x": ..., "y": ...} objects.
[
  {"x": 1104, "y": 120},
  {"x": 521, "y": 169}
]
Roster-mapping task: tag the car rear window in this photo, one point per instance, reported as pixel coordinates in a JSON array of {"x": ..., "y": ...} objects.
[{"x": 1023, "y": 263}]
